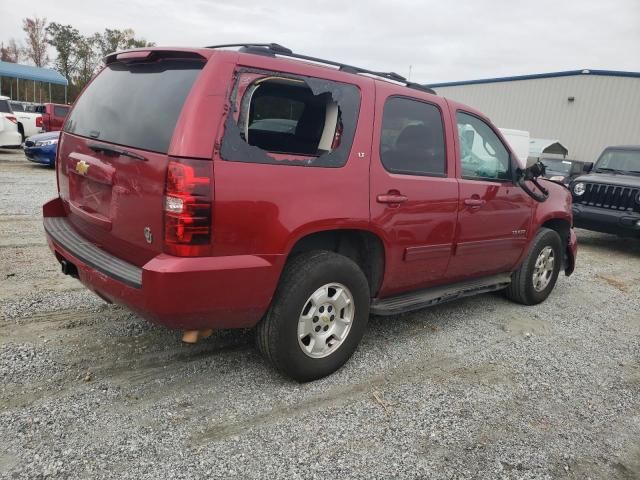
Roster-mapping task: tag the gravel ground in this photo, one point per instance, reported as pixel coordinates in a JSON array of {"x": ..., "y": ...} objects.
[{"x": 481, "y": 388}]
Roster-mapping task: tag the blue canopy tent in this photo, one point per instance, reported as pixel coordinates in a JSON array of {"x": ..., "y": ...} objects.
[{"x": 27, "y": 72}]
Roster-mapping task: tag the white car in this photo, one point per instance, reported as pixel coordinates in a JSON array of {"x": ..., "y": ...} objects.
[
  {"x": 29, "y": 123},
  {"x": 9, "y": 133}
]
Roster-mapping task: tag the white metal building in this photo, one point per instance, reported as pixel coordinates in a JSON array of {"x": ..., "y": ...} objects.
[{"x": 586, "y": 110}]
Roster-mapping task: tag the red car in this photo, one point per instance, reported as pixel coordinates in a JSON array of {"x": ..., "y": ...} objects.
[
  {"x": 213, "y": 188},
  {"x": 53, "y": 116}
]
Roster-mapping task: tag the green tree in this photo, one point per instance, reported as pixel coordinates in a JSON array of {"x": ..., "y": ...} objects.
[
  {"x": 113, "y": 40},
  {"x": 64, "y": 38},
  {"x": 87, "y": 59}
]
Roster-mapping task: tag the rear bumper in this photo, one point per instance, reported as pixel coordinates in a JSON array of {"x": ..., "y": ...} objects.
[
  {"x": 10, "y": 139},
  {"x": 188, "y": 293},
  {"x": 606, "y": 220}
]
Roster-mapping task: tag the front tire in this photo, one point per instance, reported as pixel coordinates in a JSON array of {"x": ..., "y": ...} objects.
[
  {"x": 318, "y": 316},
  {"x": 534, "y": 280}
]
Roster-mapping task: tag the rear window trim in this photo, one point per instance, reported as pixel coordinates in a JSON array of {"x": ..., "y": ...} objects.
[{"x": 233, "y": 148}]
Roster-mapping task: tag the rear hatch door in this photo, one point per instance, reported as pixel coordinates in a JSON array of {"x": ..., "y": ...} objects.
[{"x": 112, "y": 157}]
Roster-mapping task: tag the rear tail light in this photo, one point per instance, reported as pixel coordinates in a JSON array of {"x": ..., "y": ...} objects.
[
  {"x": 39, "y": 122},
  {"x": 187, "y": 207},
  {"x": 11, "y": 118}
]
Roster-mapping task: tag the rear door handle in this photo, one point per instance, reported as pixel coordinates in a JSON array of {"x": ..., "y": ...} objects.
[
  {"x": 392, "y": 198},
  {"x": 474, "y": 202}
]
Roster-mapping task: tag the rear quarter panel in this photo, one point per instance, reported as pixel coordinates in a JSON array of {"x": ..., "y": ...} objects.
[{"x": 263, "y": 208}]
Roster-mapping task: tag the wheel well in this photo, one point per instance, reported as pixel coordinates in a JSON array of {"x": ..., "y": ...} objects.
[
  {"x": 563, "y": 229},
  {"x": 364, "y": 248}
]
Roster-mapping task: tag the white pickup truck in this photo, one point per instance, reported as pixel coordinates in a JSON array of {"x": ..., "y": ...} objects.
[
  {"x": 29, "y": 123},
  {"x": 9, "y": 135}
]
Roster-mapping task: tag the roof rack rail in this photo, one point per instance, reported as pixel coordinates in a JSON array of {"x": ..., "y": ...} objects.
[{"x": 273, "y": 49}]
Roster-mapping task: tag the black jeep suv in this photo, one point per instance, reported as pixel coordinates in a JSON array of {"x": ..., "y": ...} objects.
[{"x": 608, "y": 199}]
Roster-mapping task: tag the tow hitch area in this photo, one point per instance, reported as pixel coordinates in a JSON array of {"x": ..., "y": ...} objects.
[
  {"x": 69, "y": 268},
  {"x": 192, "y": 336}
]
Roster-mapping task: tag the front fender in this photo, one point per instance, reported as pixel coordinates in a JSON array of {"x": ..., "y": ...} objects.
[
  {"x": 557, "y": 207},
  {"x": 572, "y": 253}
]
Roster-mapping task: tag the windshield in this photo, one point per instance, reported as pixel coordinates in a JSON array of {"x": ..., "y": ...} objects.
[
  {"x": 619, "y": 161},
  {"x": 136, "y": 105},
  {"x": 557, "y": 165}
]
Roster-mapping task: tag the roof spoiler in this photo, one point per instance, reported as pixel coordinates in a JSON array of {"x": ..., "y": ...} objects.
[{"x": 150, "y": 55}]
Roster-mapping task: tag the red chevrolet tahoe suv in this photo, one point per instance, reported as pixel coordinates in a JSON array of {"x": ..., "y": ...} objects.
[{"x": 217, "y": 188}]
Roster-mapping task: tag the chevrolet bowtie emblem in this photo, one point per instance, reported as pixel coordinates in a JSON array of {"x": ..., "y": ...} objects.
[{"x": 82, "y": 167}]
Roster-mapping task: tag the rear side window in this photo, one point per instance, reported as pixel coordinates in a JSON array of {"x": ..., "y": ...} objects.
[
  {"x": 60, "y": 111},
  {"x": 285, "y": 119},
  {"x": 412, "y": 138},
  {"x": 135, "y": 104},
  {"x": 4, "y": 107}
]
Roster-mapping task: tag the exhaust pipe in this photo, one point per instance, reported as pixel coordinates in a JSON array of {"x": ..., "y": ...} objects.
[{"x": 69, "y": 268}]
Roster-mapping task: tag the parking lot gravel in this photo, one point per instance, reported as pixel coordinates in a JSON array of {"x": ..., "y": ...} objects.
[{"x": 479, "y": 388}]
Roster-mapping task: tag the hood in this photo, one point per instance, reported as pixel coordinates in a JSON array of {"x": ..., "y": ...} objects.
[
  {"x": 618, "y": 179},
  {"x": 44, "y": 136},
  {"x": 552, "y": 173},
  {"x": 553, "y": 185}
]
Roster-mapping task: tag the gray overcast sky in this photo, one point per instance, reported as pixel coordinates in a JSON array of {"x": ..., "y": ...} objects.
[{"x": 454, "y": 40}]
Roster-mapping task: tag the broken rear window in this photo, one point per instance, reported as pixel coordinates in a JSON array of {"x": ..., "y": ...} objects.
[{"x": 284, "y": 119}]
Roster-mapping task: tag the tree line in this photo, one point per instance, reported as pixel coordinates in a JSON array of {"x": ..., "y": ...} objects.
[{"x": 77, "y": 58}]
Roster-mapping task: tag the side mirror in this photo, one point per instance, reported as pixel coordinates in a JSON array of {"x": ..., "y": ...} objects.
[
  {"x": 531, "y": 174},
  {"x": 588, "y": 166}
]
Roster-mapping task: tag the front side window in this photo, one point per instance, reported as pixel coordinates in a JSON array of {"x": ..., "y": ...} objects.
[
  {"x": 412, "y": 138},
  {"x": 482, "y": 154},
  {"x": 286, "y": 119}
]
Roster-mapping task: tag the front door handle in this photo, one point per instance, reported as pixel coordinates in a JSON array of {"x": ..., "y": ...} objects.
[
  {"x": 474, "y": 202},
  {"x": 392, "y": 198}
]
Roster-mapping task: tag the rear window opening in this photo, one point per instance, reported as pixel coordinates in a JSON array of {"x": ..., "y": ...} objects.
[
  {"x": 284, "y": 116},
  {"x": 290, "y": 120}
]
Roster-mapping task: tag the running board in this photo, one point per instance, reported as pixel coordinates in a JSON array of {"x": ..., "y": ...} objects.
[{"x": 407, "y": 302}]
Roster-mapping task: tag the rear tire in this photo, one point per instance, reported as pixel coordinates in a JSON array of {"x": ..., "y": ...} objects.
[
  {"x": 534, "y": 280},
  {"x": 317, "y": 318}
]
